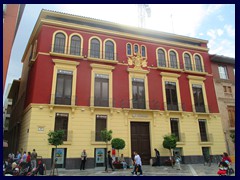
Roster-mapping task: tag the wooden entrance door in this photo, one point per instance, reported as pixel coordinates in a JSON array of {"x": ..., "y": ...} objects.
[{"x": 140, "y": 140}]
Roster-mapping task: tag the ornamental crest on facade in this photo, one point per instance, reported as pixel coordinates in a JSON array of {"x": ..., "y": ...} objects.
[{"x": 138, "y": 61}]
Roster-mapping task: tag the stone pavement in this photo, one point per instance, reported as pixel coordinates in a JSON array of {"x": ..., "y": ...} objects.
[{"x": 187, "y": 170}]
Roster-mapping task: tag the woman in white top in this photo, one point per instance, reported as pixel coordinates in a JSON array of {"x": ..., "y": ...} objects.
[{"x": 138, "y": 163}]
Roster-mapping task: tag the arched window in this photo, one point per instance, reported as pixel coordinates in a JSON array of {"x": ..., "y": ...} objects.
[
  {"x": 188, "y": 63},
  {"x": 95, "y": 48},
  {"x": 143, "y": 51},
  {"x": 136, "y": 49},
  {"x": 109, "y": 50},
  {"x": 173, "y": 60},
  {"x": 129, "y": 49},
  {"x": 59, "y": 43},
  {"x": 161, "y": 58},
  {"x": 75, "y": 47},
  {"x": 198, "y": 63}
]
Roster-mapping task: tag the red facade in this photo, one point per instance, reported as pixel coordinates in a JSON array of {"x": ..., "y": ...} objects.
[{"x": 41, "y": 73}]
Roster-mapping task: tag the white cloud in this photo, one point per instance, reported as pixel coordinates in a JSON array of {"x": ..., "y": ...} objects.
[
  {"x": 223, "y": 47},
  {"x": 219, "y": 32},
  {"x": 230, "y": 30},
  {"x": 212, "y": 33},
  {"x": 220, "y": 18},
  {"x": 213, "y": 8}
]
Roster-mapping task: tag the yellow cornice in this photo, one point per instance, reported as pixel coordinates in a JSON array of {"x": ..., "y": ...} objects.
[
  {"x": 100, "y": 66},
  {"x": 65, "y": 55},
  {"x": 196, "y": 72},
  {"x": 67, "y": 62},
  {"x": 102, "y": 60},
  {"x": 141, "y": 71},
  {"x": 88, "y": 28},
  {"x": 196, "y": 78},
  {"x": 169, "y": 74},
  {"x": 169, "y": 69}
]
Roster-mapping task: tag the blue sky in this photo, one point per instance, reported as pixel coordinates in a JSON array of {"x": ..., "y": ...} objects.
[{"x": 212, "y": 22}]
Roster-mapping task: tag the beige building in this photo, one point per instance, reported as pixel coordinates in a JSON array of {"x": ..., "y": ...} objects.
[{"x": 224, "y": 80}]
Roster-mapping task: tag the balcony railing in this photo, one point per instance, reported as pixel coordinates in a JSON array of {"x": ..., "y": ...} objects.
[
  {"x": 201, "y": 109},
  {"x": 174, "y": 65},
  {"x": 174, "y": 107},
  {"x": 63, "y": 100},
  {"x": 205, "y": 138},
  {"x": 77, "y": 51},
  {"x": 96, "y": 136}
]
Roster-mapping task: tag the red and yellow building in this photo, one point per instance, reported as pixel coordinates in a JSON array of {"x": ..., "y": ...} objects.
[{"x": 83, "y": 75}]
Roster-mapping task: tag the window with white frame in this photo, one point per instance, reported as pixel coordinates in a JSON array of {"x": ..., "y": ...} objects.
[{"x": 222, "y": 72}]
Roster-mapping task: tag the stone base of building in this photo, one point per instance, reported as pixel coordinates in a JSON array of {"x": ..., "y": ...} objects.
[{"x": 74, "y": 163}]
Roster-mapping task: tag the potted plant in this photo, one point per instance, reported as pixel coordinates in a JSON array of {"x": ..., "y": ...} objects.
[
  {"x": 170, "y": 142},
  {"x": 118, "y": 143}
]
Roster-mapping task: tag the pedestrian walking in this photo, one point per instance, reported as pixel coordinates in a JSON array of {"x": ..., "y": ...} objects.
[
  {"x": 138, "y": 164},
  {"x": 34, "y": 159},
  {"x": 83, "y": 159},
  {"x": 28, "y": 160},
  {"x": 109, "y": 162},
  {"x": 157, "y": 163},
  {"x": 178, "y": 160}
]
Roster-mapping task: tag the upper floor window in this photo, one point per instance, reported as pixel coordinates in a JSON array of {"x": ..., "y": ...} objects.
[
  {"x": 234, "y": 71},
  {"x": 231, "y": 115},
  {"x": 129, "y": 49},
  {"x": 171, "y": 95},
  {"x": 223, "y": 72},
  {"x": 173, "y": 60},
  {"x": 109, "y": 50},
  {"x": 95, "y": 48},
  {"x": 203, "y": 130},
  {"x": 198, "y": 98},
  {"x": 138, "y": 93},
  {"x": 61, "y": 123},
  {"x": 101, "y": 124},
  {"x": 198, "y": 63},
  {"x": 188, "y": 63},
  {"x": 59, "y": 43},
  {"x": 136, "y": 48},
  {"x": 174, "y": 127},
  {"x": 161, "y": 58},
  {"x": 75, "y": 47},
  {"x": 64, "y": 87},
  {"x": 143, "y": 51},
  {"x": 101, "y": 90}
]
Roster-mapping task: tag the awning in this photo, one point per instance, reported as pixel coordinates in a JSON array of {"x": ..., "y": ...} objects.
[{"x": 5, "y": 144}]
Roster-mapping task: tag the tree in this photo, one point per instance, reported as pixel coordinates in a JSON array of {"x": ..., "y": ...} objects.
[
  {"x": 55, "y": 138},
  {"x": 170, "y": 142},
  {"x": 106, "y": 136},
  {"x": 118, "y": 143},
  {"x": 232, "y": 135}
]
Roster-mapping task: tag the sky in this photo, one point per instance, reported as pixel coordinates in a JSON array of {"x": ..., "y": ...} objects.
[{"x": 212, "y": 22}]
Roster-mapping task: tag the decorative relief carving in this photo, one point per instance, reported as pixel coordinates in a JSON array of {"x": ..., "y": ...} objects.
[{"x": 137, "y": 60}]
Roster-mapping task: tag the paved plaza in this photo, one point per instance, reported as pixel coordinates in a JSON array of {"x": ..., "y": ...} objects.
[{"x": 187, "y": 170}]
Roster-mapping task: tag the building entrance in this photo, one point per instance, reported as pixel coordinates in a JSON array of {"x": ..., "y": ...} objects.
[{"x": 140, "y": 140}]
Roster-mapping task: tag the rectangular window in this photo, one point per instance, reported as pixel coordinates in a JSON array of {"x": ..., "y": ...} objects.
[
  {"x": 101, "y": 124},
  {"x": 64, "y": 87},
  {"x": 101, "y": 90},
  {"x": 138, "y": 93},
  {"x": 61, "y": 123},
  {"x": 203, "y": 130},
  {"x": 234, "y": 71},
  {"x": 174, "y": 127},
  {"x": 223, "y": 72},
  {"x": 231, "y": 115},
  {"x": 171, "y": 96},
  {"x": 198, "y": 98}
]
